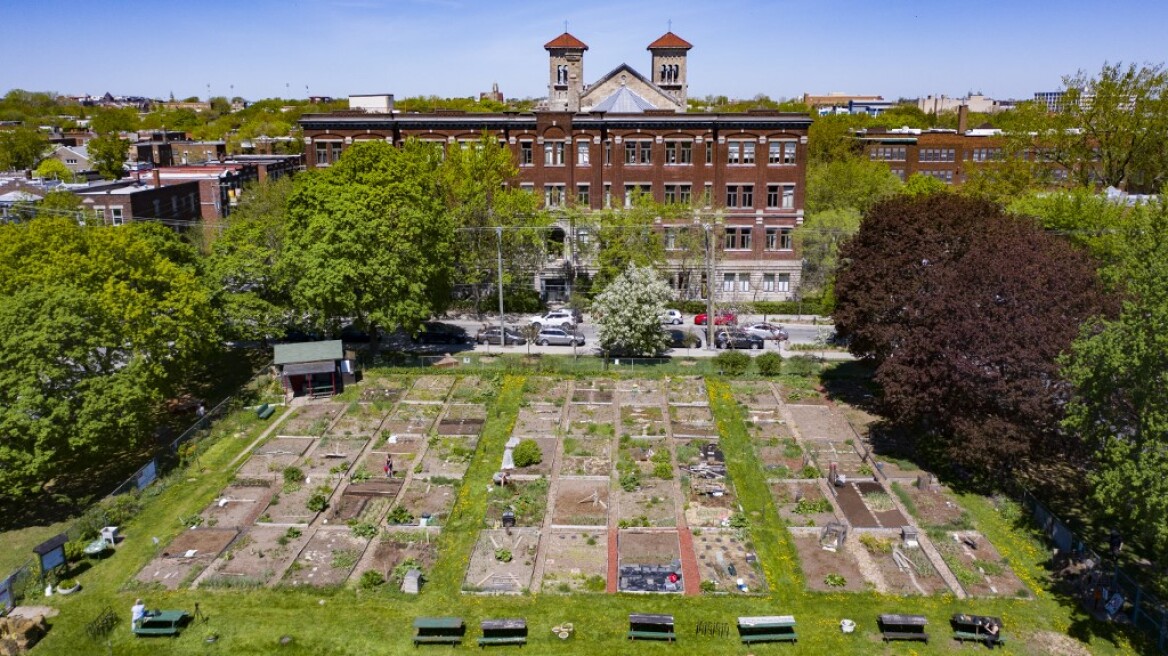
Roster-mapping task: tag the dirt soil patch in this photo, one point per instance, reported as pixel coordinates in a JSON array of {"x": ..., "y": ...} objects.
[
  {"x": 880, "y": 504},
  {"x": 448, "y": 456},
  {"x": 430, "y": 389},
  {"x": 256, "y": 556},
  {"x": 238, "y": 505},
  {"x": 803, "y": 396},
  {"x": 274, "y": 455},
  {"x": 642, "y": 421},
  {"x": 820, "y": 423},
  {"x": 546, "y": 390},
  {"x": 818, "y": 563},
  {"x": 754, "y": 394},
  {"x": 688, "y": 390},
  {"x": 425, "y": 498},
  {"x": 724, "y": 557},
  {"x": 581, "y": 502},
  {"x": 547, "y": 450},
  {"x": 337, "y": 451},
  {"x": 374, "y": 464},
  {"x": 898, "y": 581},
  {"x": 802, "y": 504},
  {"x": 174, "y": 567},
  {"x": 311, "y": 420},
  {"x": 527, "y": 499},
  {"x": 538, "y": 420},
  {"x": 463, "y": 419},
  {"x": 692, "y": 421},
  {"x": 411, "y": 418},
  {"x": 360, "y": 419},
  {"x": 781, "y": 457},
  {"x": 640, "y": 392},
  {"x": 400, "y": 444},
  {"x": 978, "y": 566},
  {"x": 593, "y": 391},
  {"x": 648, "y": 547},
  {"x": 503, "y": 561},
  {"x": 652, "y": 504},
  {"x": 934, "y": 508},
  {"x": 574, "y": 557},
  {"x": 587, "y": 457},
  {"x": 470, "y": 389},
  {"x": 590, "y": 420},
  {"x": 393, "y": 548},
  {"x": 327, "y": 559}
]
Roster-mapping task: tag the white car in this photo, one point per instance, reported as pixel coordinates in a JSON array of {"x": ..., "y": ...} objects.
[
  {"x": 766, "y": 331},
  {"x": 672, "y": 317},
  {"x": 561, "y": 318}
]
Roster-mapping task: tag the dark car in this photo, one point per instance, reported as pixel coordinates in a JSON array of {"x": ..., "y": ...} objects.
[
  {"x": 739, "y": 339},
  {"x": 491, "y": 336},
  {"x": 434, "y": 332},
  {"x": 678, "y": 338}
]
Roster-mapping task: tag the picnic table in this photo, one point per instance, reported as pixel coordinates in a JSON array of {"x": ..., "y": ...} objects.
[
  {"x": 903, "y": 627},
  {"x": 767, "y": 628},
  {"x": 504, "y": 632},
  {"x": 161, "y": 623},
  {"x": 438, "y": 630},
  {"x": 976, "y": 628},
  {"x": 651, "y": 627}
]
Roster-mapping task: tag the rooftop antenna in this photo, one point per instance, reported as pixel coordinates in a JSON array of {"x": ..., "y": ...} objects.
[
  {"x": 565, "y": 27},
  {"x": 669, "y": 23}
]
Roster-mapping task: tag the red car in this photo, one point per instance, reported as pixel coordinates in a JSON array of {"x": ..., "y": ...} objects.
[{"x": 721, "y": 319}]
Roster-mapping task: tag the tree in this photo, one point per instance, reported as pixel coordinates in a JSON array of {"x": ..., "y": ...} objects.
[
  {"x": 919, "y": 184},
  {"x": 627, "y": 238},
  {"x": 1086, "y": 219},
  {"x": 113, "y": 121},
  {"x": 819, "y": 240},
  {"x": 108, "y": 154},
  {"x": 964, "y": 310},
  {"x": 369, "y": 239},
  {"x": 54, "y": 169},
  {"x": 849, "y": 182},
  {"x": 1119, "y": 370},
  {"x": 97, "y": 329},
  {"x": 629, "y": 312},
  {"x": 21, "y": 148}
]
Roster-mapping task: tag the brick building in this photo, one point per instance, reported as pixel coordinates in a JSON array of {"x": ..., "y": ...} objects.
[
  {"x": 745, "y": 172},
  {"x": 121, "y": 202}
]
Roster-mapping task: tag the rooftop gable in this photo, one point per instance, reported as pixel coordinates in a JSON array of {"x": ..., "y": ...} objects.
[
  {"x": 670, "y": 41},
  {"x": 566, "y": 40}
]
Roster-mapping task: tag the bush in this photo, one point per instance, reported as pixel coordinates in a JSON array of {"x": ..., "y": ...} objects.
[
  {"x": 663, "y": 470},
  {"x": 293, "y": 475},
  {"x": 732, "y": 363},
  {"x": 835, "y": 580},
  {"x": 769, "y": 364},
  {"x": 595, "y": 583},
  {"x": 801, "y": 365},
  {"x": 503, "y": 555},
  {"x": 317, "y": 502},
  {"x": 708, "y": 586},
  {"x": 363, "y": 529},
  {"x": 630, "y": 480},
  {"x": 527, "y": 453},
  {"x": 371, "y": 579},
  {"x": 399, "y": 515},
  {"x": 876, "y": 545}
]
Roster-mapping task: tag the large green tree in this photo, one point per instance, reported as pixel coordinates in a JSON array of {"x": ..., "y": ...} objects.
[
  {"x": 21, "y": 148},
  {"x": 54, "y": 169},
  {"x": 1086, "y": 219},
  {"x": 369, "y": 238},
  {"x": 1119, "y": 369},
  {"x": 627, "y": 237},
  {"x": 108, "y": 155},
  {"x": 96, "y": 329},
  {"x": 818, "y": 240},
  {"x": 850, "y": 181},
  {"x": 114, "y": 120}
]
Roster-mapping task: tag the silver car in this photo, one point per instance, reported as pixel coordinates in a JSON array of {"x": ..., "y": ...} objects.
[
  {"x": 559, "y": 337},
  {"x": 766, "y": 331}
]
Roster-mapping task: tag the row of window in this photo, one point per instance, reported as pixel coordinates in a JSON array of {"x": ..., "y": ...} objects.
[
  {"x": 741, "y": 282},
  {"x": 740, "y": 238},
  {"x": 937, "y": 155},
  {"x": 945, "y": 176},
  {"x": 778, "y": 196},
  {"x": 639, "y": 152},
  {"x": 900, "y": 154}
]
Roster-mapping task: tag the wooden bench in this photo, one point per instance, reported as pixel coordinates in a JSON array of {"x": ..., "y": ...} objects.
[
  {"x": 651, "y": 627},
  {"x": 504, "y": 632},
  {"x": 903, "y": 627},
  {"x": 265, "y": 411},
  {"x": 975, "y": 628},
  {"x": 438, "y": 630},
  {"x": 161, "y": 623},
  {"x": 767, "y": 628}
]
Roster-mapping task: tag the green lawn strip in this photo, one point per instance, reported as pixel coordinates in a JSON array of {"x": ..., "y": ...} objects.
[
  {"x": 18, "y": 545},
  {"x": 776, "y": 553},
  {"x": 466, "y": 518}
]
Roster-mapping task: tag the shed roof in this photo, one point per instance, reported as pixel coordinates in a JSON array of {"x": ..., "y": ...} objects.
[
  {"x": 304, "y": 368},
  {"x": 308, "y": 352}
]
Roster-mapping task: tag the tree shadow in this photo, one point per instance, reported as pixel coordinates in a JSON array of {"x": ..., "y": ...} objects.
[{"x": 851, "y": 383}]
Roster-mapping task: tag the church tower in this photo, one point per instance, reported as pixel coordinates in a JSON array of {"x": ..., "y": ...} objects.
[
  {"x": 669, "y": 57},
  {"x": 565, "y": 72}
]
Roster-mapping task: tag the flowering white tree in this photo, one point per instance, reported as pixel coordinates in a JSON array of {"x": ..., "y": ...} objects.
[{"x": 630, "y": 310}]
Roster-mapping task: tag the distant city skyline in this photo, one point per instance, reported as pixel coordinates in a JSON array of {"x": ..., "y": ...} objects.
[{"x": 458, "y": 48}]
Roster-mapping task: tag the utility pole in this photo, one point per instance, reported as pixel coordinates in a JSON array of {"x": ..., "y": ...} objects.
[
  {"x": 709, "y": 286},
  {"x": 502, "y": 321}
]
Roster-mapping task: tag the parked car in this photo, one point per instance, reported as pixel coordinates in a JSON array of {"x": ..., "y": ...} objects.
[
  {"x": 491, "y": 336},
  {"x": 679, "y": 338},
  {"x": 739, "y": 339},
  {"x": 434, "y": 332},
  {"x": 720, "y": 319},
  {"x": 672, "y": 317},
  {"x": 767, "y": 331},
  {"x": 559, "y": 337},
  {"x": 562, "y": 318}
]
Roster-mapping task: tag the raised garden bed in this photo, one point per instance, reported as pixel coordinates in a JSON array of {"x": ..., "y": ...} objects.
[
  {"x": 327, "y": 559},
  {"x": 527, "y": 499},
  {"x": 827, "y": 571},
  {"x": 724, "y": 557},
  {"x": 576, "y": 561},
  {"x": 581, "y": 502},
  {"x": 977, "y": 565},
  {"x": 503, "y": 561},
  {"x": 802, "y": 504},
  {"x": 186, "y": 556},
  {"x": 430, "y": 389},
  {"x": 257, "y": 557},
  {"x": 311, "y": 420}
]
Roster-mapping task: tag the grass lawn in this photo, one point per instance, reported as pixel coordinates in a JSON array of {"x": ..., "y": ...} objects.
[{"x": 343, "y": 621}]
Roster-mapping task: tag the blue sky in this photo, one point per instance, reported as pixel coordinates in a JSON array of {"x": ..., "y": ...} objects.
[{"x": 263, "y": 48}]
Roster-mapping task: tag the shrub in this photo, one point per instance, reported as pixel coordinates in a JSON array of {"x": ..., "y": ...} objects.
[
  {"x": 708, "y": 586},
  {"x": 808, "y": 507},
  {"x": 503, "y": 555},
  {"x": 835, "y": 580},
  {"x": 371, "y": 579},
  {"x": 663, "y": 470},
  {"x": 801, "y": 365},
  {"x": 739, "y": 520},
  {"x": 630, "y": 480},
  {"x": 595, "y": 583},
  {"x": 810, "y": 471},
  {"x": 293, "y": 475},
  {"x": 293, "y": 533},
  {"x": 527, "y": 453},
  {"x": 876, "y": 545},
  {"x": 363, "y": 530},
  {"x": 769, "y": 364},
  {"x": 399, "y": 515},
  {"x": 732, "y": 363},
  {"x": 317, "y": 502}
]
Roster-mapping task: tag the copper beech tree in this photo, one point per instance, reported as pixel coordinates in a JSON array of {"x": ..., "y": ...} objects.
[{"x": 964, "y": 310}]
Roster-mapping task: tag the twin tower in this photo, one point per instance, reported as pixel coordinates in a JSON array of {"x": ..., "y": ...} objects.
[{"x": 623, "y": 89}]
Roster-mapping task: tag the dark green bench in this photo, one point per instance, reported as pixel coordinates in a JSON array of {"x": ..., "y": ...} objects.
[
  {"x": 161, "y": 623},
  {"x": 265, "y": 411},
  {"x": 976, "y": 628},
  {"x": 438, "y": 631},
  {"x": 503, "y": 632},
  {"x": 903, "y": 627},
  {"x": 767, "y": 628},
  {"x": 651, "y": 627}
]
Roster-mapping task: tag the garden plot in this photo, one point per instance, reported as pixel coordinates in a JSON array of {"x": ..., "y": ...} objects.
[
  {"x": 372, "y": 466},
  {"x": 820, "y": 423},
  {"x": 724, "y": 558},
  {"x": 587, "y": 457},
  {"x": 430, "y": 389},
  {"x": 328, "y": 558},
  {"x": 803, "y": 396},
  {"x": 290, "y": 505},
  {"x": 382, "y": 391},
  {"x": 708, "y": 493},
  {"x": 547, "y": 390},
  {"x": 547, "y": 450},
  {"x": 411, "y": 418},
  {"x": 238, "y": 505},
  {"x": 463, "y": 419},
  {"x": 311, "y": 420},
  {"x": 767, "y": 425},
  {"x": 640, "y": 392},
  {"x": 397, "y": 552},
  {"x": 274, "y": 455},
  {"x": 593, "y": 391},
  {"x": 905, "y": 570},
  {"x": 590, "y": 420},
  {"x": 366, "y": 499},
  {"x": 186, "y": 556},
  {"x": 897, "y": 468},
  {"x": 538, "y": 420},
  {"x": 430, "y": 499},
  {"x": 754, "y": 394},
  {"x": 977, "y": 565},
  {"x": 783, "y": 458},
  {"x": 527, "y": 499},
  {"x": 447, "y": 456},
  {"x": 503, "y": 561},
  {"x": 581, "y": 502},
  {"x": 841, "y": 452},
  {"x": 472, "y": 390},
  {"x": 645, "y": 497},
  {"x": 401, "y": 445},
  {"x": 802, "y": 504},
  {"x": 335, "y": 454},
  {"x": 642, "y": 421},
  {"x": 649, "y": 561},
  {"x": 257, "y": 557},
  {"x": 360, "y": 419},
  {"x": 827, "y": 571},
  {"x": 932, "y": 508},
  {"x": 575, "y": 561},
  {"x": 695, "y": 421},
  {"x": 688, "y": 390}
]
